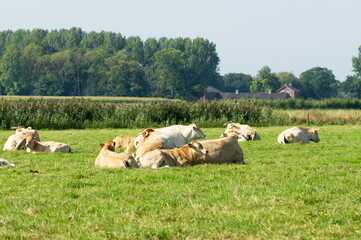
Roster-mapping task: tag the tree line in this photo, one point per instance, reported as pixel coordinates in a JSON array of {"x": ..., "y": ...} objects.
[{"x": 77, "y": 63}]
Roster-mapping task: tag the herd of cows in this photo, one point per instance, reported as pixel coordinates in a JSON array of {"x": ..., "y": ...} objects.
[{"x": 163, "y": 147}]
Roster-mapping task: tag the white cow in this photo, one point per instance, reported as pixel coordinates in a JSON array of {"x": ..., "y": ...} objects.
[
  {"x": 244, "y": 132},
  {"x": 4, "y": 162},
  {"x": 33, "y": 146},
  {"x": 176, "y": 135},
  {"x": 17, "y": 141},
  {"x": 298, "y": 134}
]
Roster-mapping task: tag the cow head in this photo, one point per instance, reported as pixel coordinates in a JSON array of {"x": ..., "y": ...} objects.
[
  {"x": 197, "y": 149},
  {"x": 110, "y": 145},
  {"x": 196, "y": 132},
  {"x": 30, "y": 141},
  {"x": 313, "y": 135},
  {"x": 131, "y": 163},
  {"x": 143, "y": 136}
]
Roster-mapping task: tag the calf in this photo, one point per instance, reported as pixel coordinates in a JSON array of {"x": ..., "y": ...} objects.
[
  {"x": 244, "y": 132},
  {"x": 15, "y": 142},
  {"x": 298, "y": 134},
  {"x": 124, "y": 142},
  {"x": 107, "y": 158},
  {"x": 21, "y": 130},
  {"x": 184, "y": 156},
  {"x": 177, "y": 135},
  {"x": 34, "y": 146},
  {"x": 225, "y": 150}
]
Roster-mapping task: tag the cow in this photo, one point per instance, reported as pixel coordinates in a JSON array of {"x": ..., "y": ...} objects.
[
  {"x": 107, "y": 158},
  {"x": 145, "y": 135},
  {"x": 184, "y": 156},
  {"x": 34, "y": 146},
  {"x": 21, "y": 130},
  {"x": 225, "y": 150},
  {"x": 15, "y": 142},
  {"x": 124, "y": 142},
  {"x": 177, "y": 135},
  {"x": 4, "y": 162},
  {"x": 298, "y": 134},
  {"x": 244, "y": 132}
]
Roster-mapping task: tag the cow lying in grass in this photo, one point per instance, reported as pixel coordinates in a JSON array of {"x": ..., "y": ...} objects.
[
  {"x": 17, "y": 141},
  {"x": 124, "y": 142},
  {"x": 176, "y": 135},
  {"x": 34, "y": 146},
  {"x": 244, "y": 132},
  {"x": 184, "y": 156},
  {"x": 107, "y": 158},
  {"x": 225, "y": 150},
  {"x": 298, "y": 134}
]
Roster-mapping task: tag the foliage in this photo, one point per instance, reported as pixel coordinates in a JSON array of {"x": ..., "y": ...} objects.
[
  {"x": 265, "y": 81},
  {"x": 318, "y": 83},
  {"x": 299, "y": 191},
  {"x": 86, "y": 113},
  {"x": 352, "y": 84},
  {"x": 75, "y": 63}
]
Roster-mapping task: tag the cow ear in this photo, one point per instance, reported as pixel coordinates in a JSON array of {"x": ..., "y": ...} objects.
[
  {"x": 194, "y": 126},
  {"x": 101, "y": 145},
  {"x": 189, "y": 144},
  {"x": 224, "y": 135}
]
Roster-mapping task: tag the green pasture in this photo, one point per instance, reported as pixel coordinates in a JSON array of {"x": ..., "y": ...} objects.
[{"x": 297, "y": 191}]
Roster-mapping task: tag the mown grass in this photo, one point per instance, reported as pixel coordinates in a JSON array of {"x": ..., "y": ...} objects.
[{"x": 283, "y": 192}]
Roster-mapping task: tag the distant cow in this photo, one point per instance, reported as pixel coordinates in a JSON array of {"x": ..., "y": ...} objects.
[
  {"x": 225, "y": 150},
  {"x": 244, "y": 132},
  {"x": 21, "y": 130},
  {"x": 34, "y": 146},
  {"x": 177, "y": 135},
  {"x": 124, "y": 142},
  {"x": 184, "y": 156},
  {"x": 4, "y": 162},
  {"x": 298, "y": 134},
  {"x": 107, "y": 158},
  {"x": 17, "y": 141}
]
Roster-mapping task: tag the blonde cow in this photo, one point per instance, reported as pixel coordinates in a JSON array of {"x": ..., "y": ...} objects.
[
  {"x": 17, "y": 141},
  {"x": 184, "y": 156},
  {"x": 124, "y": 142},
  {"x": 34, "y": 146},
  {"x": 220, "y": 151},
  {"x": 244, "y": 132},
  {"x": 298, "y": 134},
  {"x": 176, "y": 135},
  {"x": 107, "y": 158}
]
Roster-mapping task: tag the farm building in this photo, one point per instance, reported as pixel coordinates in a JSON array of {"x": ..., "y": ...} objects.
[
  {"x": 214, "y": 93},
  {"x": 290, "y": 90}
]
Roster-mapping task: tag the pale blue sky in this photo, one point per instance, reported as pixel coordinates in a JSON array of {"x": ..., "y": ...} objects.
[{"x": 286, "y": 35}]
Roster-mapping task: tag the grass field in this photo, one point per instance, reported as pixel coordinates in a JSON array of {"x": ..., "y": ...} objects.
[{"x": 299, "y": 191}]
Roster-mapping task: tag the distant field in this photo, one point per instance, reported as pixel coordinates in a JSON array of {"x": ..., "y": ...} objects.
[
  {"x": 299, "y": 191},
  {"x": 94, "y": 98},
  {"x": 321, "y": 116}
]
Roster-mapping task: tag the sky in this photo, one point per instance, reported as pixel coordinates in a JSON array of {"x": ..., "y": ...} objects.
[{"x": 285, "y": 35}]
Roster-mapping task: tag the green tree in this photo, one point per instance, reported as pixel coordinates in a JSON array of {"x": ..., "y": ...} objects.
[
  {"x": 352, "y": 84},
  {"x": 265, "y": 81},
  {"x": 10, "y": 67},
  {"x": 125, "y": 76},
  {"x": 29, "y": 60},
  {"x": 169, "y": 71},
  {"x": 318, "y": 83},
  {"x": 239, "y": 81}
]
